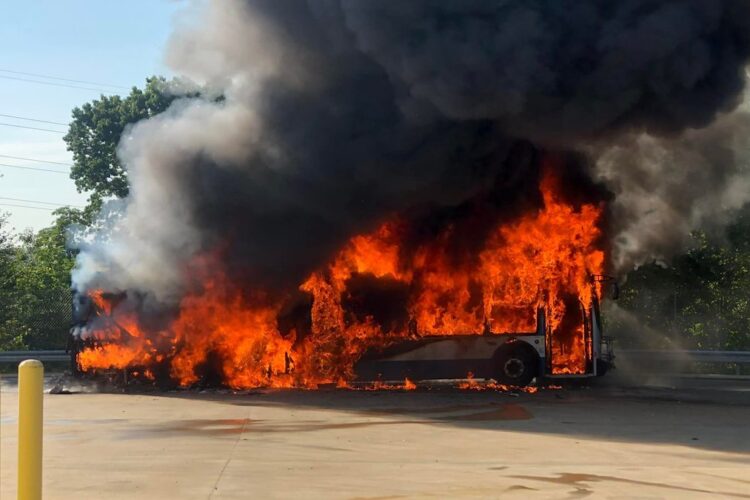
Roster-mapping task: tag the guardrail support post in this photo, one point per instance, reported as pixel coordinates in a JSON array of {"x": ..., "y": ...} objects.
[{"x": 30, "y": 407}]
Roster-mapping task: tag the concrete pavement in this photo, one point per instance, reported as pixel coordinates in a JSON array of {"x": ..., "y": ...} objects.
[{"x": 599, "y": 442}]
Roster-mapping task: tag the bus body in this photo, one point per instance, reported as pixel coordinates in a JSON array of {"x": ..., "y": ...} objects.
[{"x": 509, "y": 358}]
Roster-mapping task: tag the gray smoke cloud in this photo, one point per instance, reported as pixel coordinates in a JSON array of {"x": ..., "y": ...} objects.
[
  {"x": 667, "y": 187},
  {"x": 334, "y": 114}
]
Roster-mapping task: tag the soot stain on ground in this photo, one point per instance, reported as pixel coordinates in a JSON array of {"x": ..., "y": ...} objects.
[
  {"x": 520, "y": 487},
  {"x": 504, "y": 412},
  {"x": 200, "y": 427},
  {"x": 230, "y": 427}
]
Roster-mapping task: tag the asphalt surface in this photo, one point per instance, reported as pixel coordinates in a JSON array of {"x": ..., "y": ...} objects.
[{"x": 657, "y": 439}]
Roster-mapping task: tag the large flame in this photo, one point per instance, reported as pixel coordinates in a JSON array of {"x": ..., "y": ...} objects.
[{"x": 543, "y": 259}]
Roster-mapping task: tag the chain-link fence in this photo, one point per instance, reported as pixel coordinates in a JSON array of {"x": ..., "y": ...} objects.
[
  {"x": 40, "y": 319},
  {"x": 48, "y": 326}
]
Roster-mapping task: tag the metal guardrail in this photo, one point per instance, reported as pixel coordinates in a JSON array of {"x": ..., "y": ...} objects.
[
  {"x": 683, "y": 362},
  {"x": 43, "y": 356},
  {"x": 667, "y": 356}
]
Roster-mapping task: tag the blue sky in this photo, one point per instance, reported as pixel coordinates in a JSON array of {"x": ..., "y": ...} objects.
[{"x": 112, "y": 42}]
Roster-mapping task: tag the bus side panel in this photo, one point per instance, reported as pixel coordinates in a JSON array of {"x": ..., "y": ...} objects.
[
  {"x": 427, "y": 369},
  {"x": 451, "y": 357}
]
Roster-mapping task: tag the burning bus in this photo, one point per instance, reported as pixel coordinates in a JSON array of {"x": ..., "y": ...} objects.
[
  {"x": 448, "y": 295},
  {"x": 509, "y": 358}
]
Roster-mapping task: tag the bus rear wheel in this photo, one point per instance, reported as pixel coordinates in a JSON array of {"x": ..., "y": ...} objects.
[{"x": 516, "y": 364}]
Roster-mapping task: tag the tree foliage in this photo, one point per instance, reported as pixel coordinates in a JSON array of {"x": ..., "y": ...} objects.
[
  {"x": 9, "y": 337},
  {"x": 95, "y": 132},
  {"x": 700, "y": 301},
  {"x": 35, "y": 311}
]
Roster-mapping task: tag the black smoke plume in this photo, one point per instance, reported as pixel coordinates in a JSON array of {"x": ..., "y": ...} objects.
[{"x": 334, "y": 114}]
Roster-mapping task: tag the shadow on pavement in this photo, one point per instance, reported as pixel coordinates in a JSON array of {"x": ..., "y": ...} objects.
[
  {"x": 711, "y": 419},
  {"x": 624, "y": 415}
]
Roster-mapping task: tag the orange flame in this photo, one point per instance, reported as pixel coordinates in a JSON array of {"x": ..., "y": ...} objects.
[{"x": 543, "y": 259}]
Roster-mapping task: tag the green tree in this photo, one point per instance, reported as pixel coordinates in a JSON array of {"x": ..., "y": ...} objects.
[
  {"x": 36, "y": 309},
  {"x": 699, "y": 301},
  {"x": 10, "y": 338},
  {"x": 95, "y": 132}
]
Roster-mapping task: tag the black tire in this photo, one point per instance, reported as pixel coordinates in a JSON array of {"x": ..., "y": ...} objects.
[{"x": 516, "y": 364}]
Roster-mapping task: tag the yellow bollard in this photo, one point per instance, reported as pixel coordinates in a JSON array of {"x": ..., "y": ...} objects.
[{"x": 30, "y": 394}]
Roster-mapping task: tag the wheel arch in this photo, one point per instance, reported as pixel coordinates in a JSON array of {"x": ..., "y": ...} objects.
[{"x": 516, "y": 344}]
